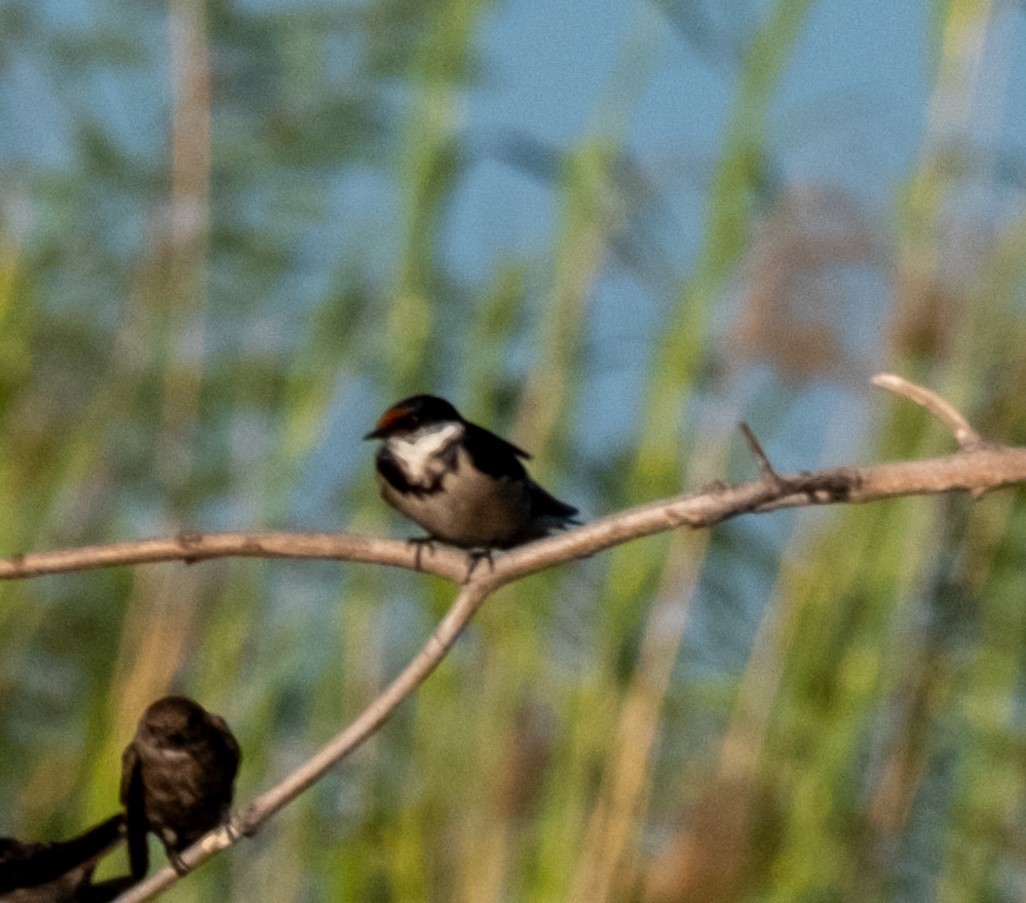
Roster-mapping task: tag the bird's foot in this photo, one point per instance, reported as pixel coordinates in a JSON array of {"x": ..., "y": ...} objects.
[
  {"x": 475, "y": 557},
  {"x": 177, "y": 863},
  {"x": 419, "y": 542}
]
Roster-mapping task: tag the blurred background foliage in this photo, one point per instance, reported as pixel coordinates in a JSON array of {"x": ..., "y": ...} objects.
[{"x": 232, "y": 232}]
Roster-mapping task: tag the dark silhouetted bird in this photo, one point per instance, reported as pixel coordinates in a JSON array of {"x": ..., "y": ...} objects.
[
  {"x": 177, "y": 778},
  {"x": 460, "y": 482},
  {"x": 60, "y": 872}
]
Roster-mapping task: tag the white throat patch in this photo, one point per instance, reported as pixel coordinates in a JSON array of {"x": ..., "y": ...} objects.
[{"x": 418, "y": 453}]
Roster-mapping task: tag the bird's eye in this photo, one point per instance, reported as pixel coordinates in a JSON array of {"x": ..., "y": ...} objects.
[{"x": 176, "y": 739}]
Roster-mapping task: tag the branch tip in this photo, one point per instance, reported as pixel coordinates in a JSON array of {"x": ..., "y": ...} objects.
[
  {"x": 769, "y": 475},
  {"x": 966, "y": 437}
]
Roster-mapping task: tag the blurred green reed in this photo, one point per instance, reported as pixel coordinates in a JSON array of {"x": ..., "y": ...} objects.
[{"x": 865, "y": 742}]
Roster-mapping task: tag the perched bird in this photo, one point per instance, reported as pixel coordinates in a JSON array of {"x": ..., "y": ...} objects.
[
  {"x": 177, "y": 778},
  {"x": 460, "y": 482},
  {"x": 60, "y": 872}
]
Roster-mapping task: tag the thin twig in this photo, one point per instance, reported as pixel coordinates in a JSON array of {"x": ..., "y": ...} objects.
[
  {"x": 943, "y": 410},
  {"x": 761, "y": 458}
]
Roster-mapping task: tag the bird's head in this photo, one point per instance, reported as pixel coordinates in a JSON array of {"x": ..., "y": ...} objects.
[{"x": 412, "y": 414}]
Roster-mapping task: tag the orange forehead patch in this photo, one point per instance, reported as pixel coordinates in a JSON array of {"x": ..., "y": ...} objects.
[{"x": 391, "y": 417}]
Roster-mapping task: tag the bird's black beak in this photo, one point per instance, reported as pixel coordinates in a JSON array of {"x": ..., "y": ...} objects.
[{"x": 375, "y": 434}]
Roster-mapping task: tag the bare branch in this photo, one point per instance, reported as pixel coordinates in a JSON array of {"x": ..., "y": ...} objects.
[
  {"x": 192, "y": 546},
  {"x": 977, "y": 468},
  {"x": 943, "y": 410}
]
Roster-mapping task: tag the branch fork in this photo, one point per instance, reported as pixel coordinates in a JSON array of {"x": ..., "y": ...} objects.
[{"x": 978, "y": 467}]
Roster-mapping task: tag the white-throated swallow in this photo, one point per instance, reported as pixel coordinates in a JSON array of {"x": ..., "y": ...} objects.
[{"x": 460, "y": 482}]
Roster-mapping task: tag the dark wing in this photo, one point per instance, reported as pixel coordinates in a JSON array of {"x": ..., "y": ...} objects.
[
  {"x": 133, "y": 798},
  {"x": 104, "y": 891},
  {"x": 492, "y": 454},
  {"x": 33, "y": 864},
  {"x": 15, "y": 857},
  {"x": 129, "y": 769},
  {"x": 543, "y": 505},
  {"x": 230, "y": 755}
]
